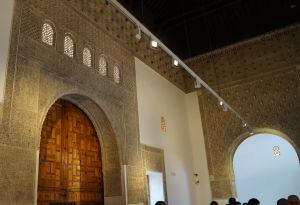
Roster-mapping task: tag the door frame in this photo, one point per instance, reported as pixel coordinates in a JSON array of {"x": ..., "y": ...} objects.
[{"x": 113, "y": 176}]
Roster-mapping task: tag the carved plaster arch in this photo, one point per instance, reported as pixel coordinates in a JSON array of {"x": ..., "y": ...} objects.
[
  {"x": 111, "y": 151},
  {"x": 234, "y": 146}
]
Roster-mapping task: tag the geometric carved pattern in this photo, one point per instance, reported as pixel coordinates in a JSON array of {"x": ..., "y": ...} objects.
[
  {"x": 102, "y": 66},
  {"x": 117, "y": 74},
  {"x": 47, "y": 34},
  {"x": 120, "y": 37},
  {"x": 70, "y": 159},
  {"x": 113, "y": 22},
  {"x": 245, "y": 60},
  {"x": 87, "y": 57},
  {"x": 69, "y": 46},
  {"x": 45, "y": 72},
  {"x": 107, "y": 18},
  {"x": 260, "y": 79},
  {"x": 268, "y": 102}
]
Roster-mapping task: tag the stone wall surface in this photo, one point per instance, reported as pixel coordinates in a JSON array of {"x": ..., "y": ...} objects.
[
  {"x": 260, "y": 79},
  {"x": 39, "y": 74},
  {"x": 1, "y": 113}
]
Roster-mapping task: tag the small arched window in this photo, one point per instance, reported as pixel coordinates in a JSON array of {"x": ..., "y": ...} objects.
[
  {"x": 87, "y": 57},
  {"x": 48, "y": 34},
  {"x": 69, "y": 46},
  {"x": 117, "y": 74},
  {"x": 102, "y": 66}
]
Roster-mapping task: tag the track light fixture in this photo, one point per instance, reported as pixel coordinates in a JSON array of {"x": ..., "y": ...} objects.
[
  {"x": 246, "y": 126},
  {"x": 153, "y": 44},
  {"x": 197, "y": 84},
  {"x": 223, "y": 105},
  {"x": 225, "y": 108},
  {"x": 138, "y": 35},
  {"x": 175, "y": 63}
]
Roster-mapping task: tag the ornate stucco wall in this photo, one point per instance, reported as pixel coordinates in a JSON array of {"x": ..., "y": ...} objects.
[
  {"x": 39, "y": 74},
  {"x": 6, "y": 15},
  {"x": 114, "y": 23},
  {"x": 261, "y": 79},
  {"x": 262, "y": 73}
]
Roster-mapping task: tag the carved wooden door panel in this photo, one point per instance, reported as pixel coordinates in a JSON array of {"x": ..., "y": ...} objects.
[{"x": 70, "y": 159}]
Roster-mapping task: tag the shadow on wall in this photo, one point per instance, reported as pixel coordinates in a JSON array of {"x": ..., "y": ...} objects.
[{"x": 267, "y": 167}]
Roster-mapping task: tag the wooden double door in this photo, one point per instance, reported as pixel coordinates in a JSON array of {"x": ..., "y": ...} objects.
[{"x": 70, "y": 169}]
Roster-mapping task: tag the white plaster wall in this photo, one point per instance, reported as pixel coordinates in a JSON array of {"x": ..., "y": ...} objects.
[
  {"x": 158, "y": 97},
  {"x": 202, "y": 190},
  {"x": 6, "y": 14}
]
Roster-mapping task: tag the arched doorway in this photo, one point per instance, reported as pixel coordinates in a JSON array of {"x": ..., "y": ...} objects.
[
  {"x": 266, "y": 167},
  {"x": 70, "y": 167}
]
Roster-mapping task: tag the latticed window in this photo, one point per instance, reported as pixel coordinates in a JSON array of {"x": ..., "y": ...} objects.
[
  {"x": 69, "y": 46},
  {"x": 48, "y": 34},
  {"x": 87, "y": 57},
  {"x": 116, "y": 74},
  {"x": 102, "y": 66}
]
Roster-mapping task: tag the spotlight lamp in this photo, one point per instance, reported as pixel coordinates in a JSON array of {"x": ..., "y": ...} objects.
[
  {"x": 225, "y": 108},
  {"x": 197, "y": 84},
  {"x": 223, "y": 105},
  {"x": 248, "y": 127},
  {"x": 153, "y": 44},
  {"x": 175, "y": 63},
  {"x": 138, "y": 35}
]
